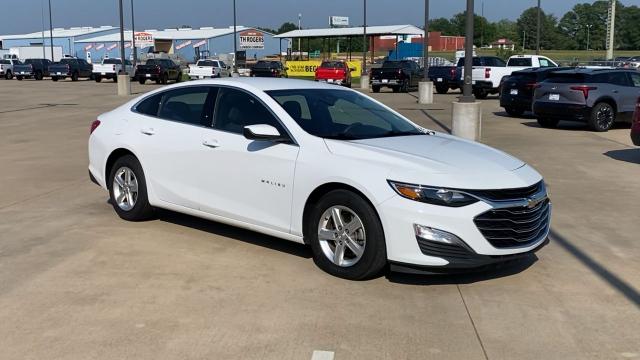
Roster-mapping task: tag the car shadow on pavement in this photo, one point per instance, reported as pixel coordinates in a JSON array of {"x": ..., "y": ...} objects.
[
  {"x": 575, "y": 125},
  {"x": 628, "y": 155},
  {"x": 235, "y": 233},
  {"x": 527, "y": 115},
  {"x": 494, "y": 272}
]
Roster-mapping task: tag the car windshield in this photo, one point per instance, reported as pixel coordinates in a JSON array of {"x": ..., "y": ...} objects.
[{"x": 341, "y": 114}]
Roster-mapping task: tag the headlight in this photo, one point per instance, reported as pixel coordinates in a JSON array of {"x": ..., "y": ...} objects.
[{"x": 432, "y": 195}]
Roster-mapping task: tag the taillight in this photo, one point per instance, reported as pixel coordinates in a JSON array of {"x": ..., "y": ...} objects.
[
  {"x": 585, "y": 89},
  {"x": 532, "y": 86},
  {"x": 113, "y": 67},
  {"x": 487, "y": 73},
  {"x": 94, "y": 126},
  {"x": 452, "y": 73},
  {"x": 157, "y": 68}
]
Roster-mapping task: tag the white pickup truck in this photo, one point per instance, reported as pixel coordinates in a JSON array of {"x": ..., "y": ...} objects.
[
  {"x": 109, "y": 69},
  {"x": 6, "y": 67},
  {"x": 208, "y": 68},
  {"x": 489, "y": 71}
]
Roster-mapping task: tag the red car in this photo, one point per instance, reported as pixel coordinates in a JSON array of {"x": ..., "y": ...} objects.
[
  {"x": 334, "y": 72},
  {"x": 635, "y": 127}
]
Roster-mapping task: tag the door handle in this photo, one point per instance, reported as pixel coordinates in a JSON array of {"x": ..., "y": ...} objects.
[
  {"x": 212, "y": 143},
  {"x": 148, "y": 131}
]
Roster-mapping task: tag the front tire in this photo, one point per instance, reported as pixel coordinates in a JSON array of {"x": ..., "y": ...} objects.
[
  {"x": 346, "y": 236},
  {"x": 128, "y": 190},
  {"x": 8, "y": 75},
  {"x": 603, "y": 116}
]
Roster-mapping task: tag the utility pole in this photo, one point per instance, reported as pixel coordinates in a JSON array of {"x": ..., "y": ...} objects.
[
  {"x": 611, "y": 29},
  {"x": 133, "y": 39},
  {"x": 483, "y": 21},
  {"x": 467, "y": 112},
  {"x": 51, "y": 31},
  {"x": 524, "y": 40},
  {"x": 588, "y": 34},
  {"x": 538, "y": 31}
]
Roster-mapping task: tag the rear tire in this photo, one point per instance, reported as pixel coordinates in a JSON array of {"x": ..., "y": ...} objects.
[
  {"x": 365, "y": 232},
  {"x": 164, "y": 79},
  {"x": 142, "y": 81},
  {"x": 548, "y": 123},
  {"x": 74, "y": 76},
  {"x": 442, "y": 89},
  {"x": 375, "y": 89},
  {"x": 603, "y": 116},
  {"x": 54, "y": 78},
  {"x": 19, "y": 78},
  {"x": 514, "y": 111},
  {"x": 97, "y": 78},
  {"x": 128, "y": 194},
  {"x": 8, "y": 75},
  {"x": 480, "y": 93},
  {"x": 38, "y": 75}
]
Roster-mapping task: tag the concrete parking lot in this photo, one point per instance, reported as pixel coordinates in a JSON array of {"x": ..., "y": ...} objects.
[{"x": 76, "y": 282}]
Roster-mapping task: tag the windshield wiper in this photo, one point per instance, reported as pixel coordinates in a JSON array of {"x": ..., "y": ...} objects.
[{"x": 401, "y": 133}]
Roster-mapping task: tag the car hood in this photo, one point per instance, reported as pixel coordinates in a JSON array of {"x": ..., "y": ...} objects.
[{"x": 439, "y": 159}]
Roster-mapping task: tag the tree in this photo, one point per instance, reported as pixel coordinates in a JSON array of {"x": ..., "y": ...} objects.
[
  {"x": 549, "y": 37},
  {"x": 458, "y": 23},
  {"x": 507, "y": 29},
  {"x": 286, "y": 27},
  {"x": 444, "y": 26}
]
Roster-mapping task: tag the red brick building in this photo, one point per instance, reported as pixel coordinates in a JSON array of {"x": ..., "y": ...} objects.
[{"x": 437, "y": 42}]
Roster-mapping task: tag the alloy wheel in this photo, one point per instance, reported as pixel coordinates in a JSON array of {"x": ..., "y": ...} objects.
[
  {"x": 604, "y": 117},
  {"x": 125, "y": 188},
  {"x": 342, "y": 236}
]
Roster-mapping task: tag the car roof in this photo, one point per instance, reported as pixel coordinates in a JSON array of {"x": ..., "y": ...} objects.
[
  {"x": 265, "y": 84},
  {"x": 581, "y": 70}
]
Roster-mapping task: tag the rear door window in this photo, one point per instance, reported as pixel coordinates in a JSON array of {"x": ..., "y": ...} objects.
[{"x": 187, "y": 105}]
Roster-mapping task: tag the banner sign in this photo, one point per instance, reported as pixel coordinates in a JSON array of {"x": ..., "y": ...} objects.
[
  {"x": 251, "y": 39},
  {"x": 199, "y": 43},
  {"x": 143, "y": 39},
  {"x": 99, "y": 47},
  {"x": 184, "y": 44},
  {"x": 112, "y": 46},
  {"x": 308, "y": 68},
  {"x": 127, "y": 45},
  {"x": 88, "y": 47}
]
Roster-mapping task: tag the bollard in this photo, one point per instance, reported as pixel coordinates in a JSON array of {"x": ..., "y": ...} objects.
[
  {"x": 425, "y": 92},
  {"x": 467, "y": 120},
  {"x": 364, "y": 82},
  {"x": 124, "y": 85}
]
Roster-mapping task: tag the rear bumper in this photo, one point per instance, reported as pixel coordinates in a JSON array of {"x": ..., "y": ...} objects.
[
  {"x": 147, "y": 76},
  {"x": 508, "y": 100},
  {"x": 389, "y": 82},
  {"x": 483, "y": 85},
  {"x": 561, "y": 111}
]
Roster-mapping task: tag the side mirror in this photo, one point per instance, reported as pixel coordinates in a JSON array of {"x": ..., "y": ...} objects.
[{"x": 262, "y": 132}]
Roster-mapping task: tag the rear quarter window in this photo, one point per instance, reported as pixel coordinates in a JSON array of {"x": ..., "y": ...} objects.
[{"x": 150, "y": 105}]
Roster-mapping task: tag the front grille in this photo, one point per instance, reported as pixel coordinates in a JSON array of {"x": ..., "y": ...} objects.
[
  {"x": 509, "y": 194},
  {"x": 515, "y": 226}
]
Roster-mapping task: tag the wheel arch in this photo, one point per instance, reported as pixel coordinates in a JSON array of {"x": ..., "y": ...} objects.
[
  {"x": 607, "y": 99},
  {"x": 324, "y": 189},
  {"x": 111, "y": 160}
]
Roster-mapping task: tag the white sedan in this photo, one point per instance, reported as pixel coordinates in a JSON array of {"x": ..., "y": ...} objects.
[{"x": 320, "y": 165}]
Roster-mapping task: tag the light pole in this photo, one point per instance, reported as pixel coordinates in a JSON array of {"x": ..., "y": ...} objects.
[
  {"x": 299, "y": 39},
  {"x": 467, "y": 112},
  {"x": 588, "y": 34},
  {"x": 44, "y": 53},
  {"x": 124, "y": 82},
  {"x": 235, "y": 40},
  {"x": 538, "y": 30},
  {"x": 133, "y": 39},
  {"x": 51, "y": 31},
  {"x": 364, "y": 78},
  {"x": 425, "y": 87}
]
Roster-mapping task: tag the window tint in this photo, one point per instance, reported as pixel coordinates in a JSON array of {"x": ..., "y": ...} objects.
[
  {"x": 222, "y": 64},
  {"x": 619, "y": 78},
  {"x": 236, "y": 109},
  {"x": 497, "y": 62},
  {"x": 635, "y": 79},
  {"x": 5, "y": 62},
  {"x": 521, "y": 62},
  {"x": 187, "y": 105},
  {"x": 150, "y": 105}
]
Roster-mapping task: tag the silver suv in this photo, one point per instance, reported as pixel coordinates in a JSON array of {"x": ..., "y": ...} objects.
[{"x": 599, "y": 97}]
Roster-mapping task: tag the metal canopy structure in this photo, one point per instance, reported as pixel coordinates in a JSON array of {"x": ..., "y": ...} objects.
[{"x": 351, "y": 32}]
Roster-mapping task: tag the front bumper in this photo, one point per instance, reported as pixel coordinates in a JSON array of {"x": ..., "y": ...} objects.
[{"x": 560, "y": 111}]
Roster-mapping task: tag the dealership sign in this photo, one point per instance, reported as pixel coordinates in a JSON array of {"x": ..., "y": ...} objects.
[
  {"x": 112, "y": 46},
  {"x": 184, "y": 44},
  {"x": 86, "y": 48},
  {"x": 99, "y": 46},
  {"x": 143, "y": 39},
  {"x": 339, "y": 21},
  {"x": 251, "y": 39},
  {"x": 199, "y": 43}
]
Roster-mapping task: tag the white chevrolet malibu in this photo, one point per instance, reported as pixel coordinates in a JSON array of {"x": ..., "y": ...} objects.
[{"x": 329, "y": 167}]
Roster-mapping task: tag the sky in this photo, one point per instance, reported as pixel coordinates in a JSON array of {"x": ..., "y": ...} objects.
[{"x": 26, "y": 17}]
